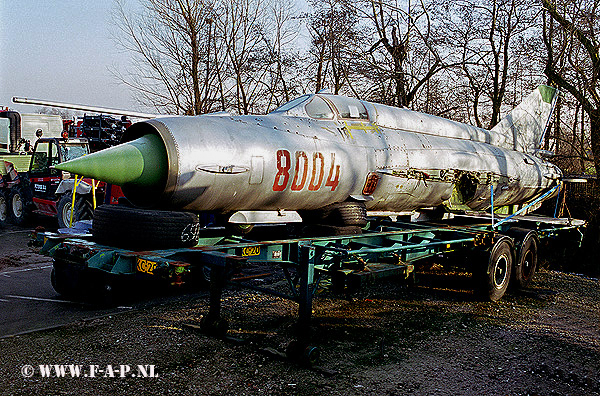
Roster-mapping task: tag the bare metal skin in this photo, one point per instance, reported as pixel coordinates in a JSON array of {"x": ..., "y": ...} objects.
[{"x": 321, "y": 149}]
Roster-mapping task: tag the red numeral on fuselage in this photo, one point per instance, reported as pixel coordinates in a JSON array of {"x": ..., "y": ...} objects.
[
  {"x": 301, "y": 170},
  {"x": 283, "y": 170}
]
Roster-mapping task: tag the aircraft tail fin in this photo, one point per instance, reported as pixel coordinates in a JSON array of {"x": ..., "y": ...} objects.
[{"x": 524, "y": 127}]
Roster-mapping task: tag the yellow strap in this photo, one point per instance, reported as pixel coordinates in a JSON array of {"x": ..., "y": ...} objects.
[
  {"x": 73, "y": 200},
  {"x": 94, "y": 186}
]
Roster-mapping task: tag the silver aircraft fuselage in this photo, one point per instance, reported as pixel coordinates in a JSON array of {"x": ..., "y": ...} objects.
[{"x": 321, "y": 149}]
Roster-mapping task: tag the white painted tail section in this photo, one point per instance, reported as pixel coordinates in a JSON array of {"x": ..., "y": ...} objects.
[{"x": 524, "y": 127}]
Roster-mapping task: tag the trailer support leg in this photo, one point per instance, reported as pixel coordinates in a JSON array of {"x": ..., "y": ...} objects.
[
  {"x": 300, "y": 350},
  {"x": 212, "y": 323}
]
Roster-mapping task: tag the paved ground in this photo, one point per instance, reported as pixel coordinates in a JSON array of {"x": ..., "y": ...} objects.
[{"x": 27, "y": 300}]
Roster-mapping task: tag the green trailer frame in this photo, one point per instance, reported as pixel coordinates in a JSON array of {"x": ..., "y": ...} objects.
[{"x": 343, "y": 263}]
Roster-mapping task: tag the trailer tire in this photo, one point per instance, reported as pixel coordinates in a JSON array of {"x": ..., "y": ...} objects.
[
  {"x": 3, "y": 209},
  {"x": 17, "y": 204},
  {"x": 143, "y": 229},
  {"x": 527, "y": 259},
  {"x": 59, "y": 283},
  {"x": 106, "y": 293},
  {"x": 66, "y": 277},
  {"x": 83, "y": 210},
  {"x": 493, "y": 279},
  {"x": 353, "y": 213}
]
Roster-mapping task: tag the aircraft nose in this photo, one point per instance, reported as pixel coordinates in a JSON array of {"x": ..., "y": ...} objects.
[{"x": 141, "y": 162}]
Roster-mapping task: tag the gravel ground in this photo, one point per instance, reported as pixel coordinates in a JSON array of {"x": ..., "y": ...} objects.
[{"x": 387, "y": 340}]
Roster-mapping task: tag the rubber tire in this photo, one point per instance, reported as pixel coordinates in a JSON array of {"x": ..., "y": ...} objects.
[
  {"x": 67, "y": 278},
  {"x": 4, "y": 212},
  {"x": 527, "y": 260},
  {"x": 143, "y": 229},
  {"x": 58, "y": 283},
  {"x": 238, "y": 229},
  {"x": 323, "y": 230},
  {"x": 19, "y": 214},
  {"x": 303, "y": 354},
  {"x": 107, "y": 294},
  {"x": 83, "y": 209},
  {"x": 345, "y": 214},
  {"x": 493, "y": 279},
  {"x": 353, "y": 213}
]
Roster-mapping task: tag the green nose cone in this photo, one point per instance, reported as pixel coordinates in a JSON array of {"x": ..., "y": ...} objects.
[{"x": 141, "y": 162}]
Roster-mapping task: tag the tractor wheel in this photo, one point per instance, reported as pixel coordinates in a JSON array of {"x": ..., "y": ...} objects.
[
  {"x": 493, "y": 277},
  {"x": 3, "y": 209},
  {"x": 300, "y": 352},
  {"x": 143, "y": 229},
  {"x": 17, "y": 205},
  {"x": 83, "y": 210}
]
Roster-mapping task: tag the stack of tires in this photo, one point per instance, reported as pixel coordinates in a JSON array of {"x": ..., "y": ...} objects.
[{"x": 142, "y": 229}]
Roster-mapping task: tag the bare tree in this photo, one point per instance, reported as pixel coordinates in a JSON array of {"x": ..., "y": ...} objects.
[
  {"x": 406, "y": 53},
  {"x": 257, "y": 38},
  {"x": 491, "y": 36},
  {"x": 281, "y": 60},
  {"x": 573, "y": 61},
  {"x": 334, "y": 39},
  {"x": 173, "y": 68},
  {"x": 198, "y": 56}
]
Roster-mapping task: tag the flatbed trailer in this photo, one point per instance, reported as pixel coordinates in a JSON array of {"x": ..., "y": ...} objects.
[{"x": 495, "y": 255}]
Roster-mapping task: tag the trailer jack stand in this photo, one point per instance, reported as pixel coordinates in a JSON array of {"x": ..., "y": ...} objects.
[
  {"x": 212, "y": 323},
  {"x": 302, "y": 353}
]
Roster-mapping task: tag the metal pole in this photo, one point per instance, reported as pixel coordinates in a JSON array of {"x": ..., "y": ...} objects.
[
  {"x": 557, "y": 200},
  {"x": 492, "y": 198},
  {"x": 306, "y": 268}
]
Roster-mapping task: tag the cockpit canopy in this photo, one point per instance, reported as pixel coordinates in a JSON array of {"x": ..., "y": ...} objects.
[{"x": 325, "y": 107}]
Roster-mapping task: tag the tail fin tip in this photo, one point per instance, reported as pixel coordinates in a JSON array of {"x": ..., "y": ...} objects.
[{"x": 548, "y": 93}]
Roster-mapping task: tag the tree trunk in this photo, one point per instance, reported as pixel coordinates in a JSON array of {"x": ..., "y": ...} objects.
[{"x": 595, "y": 138}]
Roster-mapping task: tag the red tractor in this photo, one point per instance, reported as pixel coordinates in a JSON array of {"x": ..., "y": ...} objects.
[{"x": 47, "y": 191}]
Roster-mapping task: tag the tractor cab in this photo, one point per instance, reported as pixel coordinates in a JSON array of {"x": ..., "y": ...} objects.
[{"x": 47, "y": 153}]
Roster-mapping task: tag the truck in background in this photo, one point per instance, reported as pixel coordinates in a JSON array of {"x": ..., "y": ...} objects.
[
  {"x": 31, "y": 143},
  {"x": 19, "y": 132}
]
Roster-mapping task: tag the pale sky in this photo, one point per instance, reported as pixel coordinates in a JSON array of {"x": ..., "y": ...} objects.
[{"x": 60, "y": 50}]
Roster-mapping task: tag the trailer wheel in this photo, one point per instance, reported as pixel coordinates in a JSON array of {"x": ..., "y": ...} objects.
[
  {"x": 83, "y": 210},
  {"x": 493, "y": 278},
  {"x": 526, "y": 264},
  {"x": 58, "y": 283},
  {"x": 17, "y": 206},
  {"x": 106, "y": 295},
  {"x": 3, "y": 209},
  {"x": 143, "y": 229},
  {"x": 217, "y": 328},
  {"x": 353, "y": 213},
  {"x": 66, "y": 277}
]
